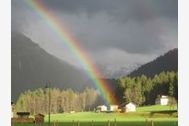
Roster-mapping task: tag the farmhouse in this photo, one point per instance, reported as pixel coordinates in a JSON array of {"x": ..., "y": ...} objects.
[
  {"x": 102, "y": 108},
  {"x": 163, "y": 100},
  {"x": 113, "y": 108},
  {"x": 130, "y": 107}
]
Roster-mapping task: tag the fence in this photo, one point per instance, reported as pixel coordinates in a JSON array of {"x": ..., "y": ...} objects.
[{"x": 108, "y": 123}]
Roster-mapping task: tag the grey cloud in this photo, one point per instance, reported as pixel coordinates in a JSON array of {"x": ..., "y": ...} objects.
[
  {"x": 115, "y": 56},
  {"x": 100, "y": 32},
  {"x": 138, "y": 30},
  {"x": 121, "y": 9}
]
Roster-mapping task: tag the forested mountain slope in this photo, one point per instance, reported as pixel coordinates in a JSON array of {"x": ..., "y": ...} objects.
[
  {"x": 32, "y": 67},
  {"x": 166, "y": 62}
]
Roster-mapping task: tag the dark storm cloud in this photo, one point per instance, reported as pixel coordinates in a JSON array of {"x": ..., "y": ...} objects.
[
  {"x": 124, "y": 9},
  {"x": 133, "y": 36},
  {"x": 142, "y": 29}
]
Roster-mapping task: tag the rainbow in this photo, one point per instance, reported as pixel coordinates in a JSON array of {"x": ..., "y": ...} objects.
[{"x": 72, "y": 44}]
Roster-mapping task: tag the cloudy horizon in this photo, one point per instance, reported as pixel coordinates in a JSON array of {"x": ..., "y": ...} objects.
[{"x": 117, "y": 33}]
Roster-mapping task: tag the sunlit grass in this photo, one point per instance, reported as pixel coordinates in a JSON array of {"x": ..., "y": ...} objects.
[
  {"x": 138, "y": 118},
  {"x": 155, "y": 108}
]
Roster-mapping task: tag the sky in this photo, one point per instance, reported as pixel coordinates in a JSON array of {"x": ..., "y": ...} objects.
[{"x": 112, "y": 32}]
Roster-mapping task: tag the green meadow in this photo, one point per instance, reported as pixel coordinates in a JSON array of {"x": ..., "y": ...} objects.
[
  {"x": 127, "y": 123},
  {"x": 139, "y": 118}
]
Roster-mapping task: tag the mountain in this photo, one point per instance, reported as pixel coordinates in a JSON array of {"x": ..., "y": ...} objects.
[
  {"x": 166, "y": 62},
  {"x": 116, "y": 71},
  {"x": 32, "y": 67}
]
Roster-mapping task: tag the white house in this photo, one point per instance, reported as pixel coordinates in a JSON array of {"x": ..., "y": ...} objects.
[
  {"x": 130, "y": 107},
  {"x": 102, "y": 108},
  {"x": 164, "y": 100}
]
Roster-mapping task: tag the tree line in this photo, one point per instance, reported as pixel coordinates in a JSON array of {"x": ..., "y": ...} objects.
[
  {"x": 140, "y": 90},
  {"x": 143, "y": 90},
  {"x": 37, "y": 101}
]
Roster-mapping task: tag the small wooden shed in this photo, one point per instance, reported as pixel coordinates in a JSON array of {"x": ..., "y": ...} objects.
[
  {"x": 22, "y": 117},
  {"x": 39, "y": 118}
]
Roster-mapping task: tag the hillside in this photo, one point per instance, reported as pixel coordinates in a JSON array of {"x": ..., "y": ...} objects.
[
  {"x": 166, "y": 62},
  {"x": 116, "y": 71},
  {"x": 32, "y": 67}
]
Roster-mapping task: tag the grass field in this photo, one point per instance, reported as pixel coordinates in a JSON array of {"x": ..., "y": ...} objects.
[
  {"x": 130, "y": 123},
  {"x": 108, "y": 119},
  {"x": 154, "y": 108}
]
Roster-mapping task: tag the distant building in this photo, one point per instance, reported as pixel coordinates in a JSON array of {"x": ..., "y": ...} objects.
[
  {"x": 39, "y": 118},
  {"x": 102, "y": 108},
  {"x": 22, "y": 117},
  {"x": 130, "y": 107},
  {"x": 23, "y": 114},
  {"x": 163, "y": 100},
  {"x": 113, "y": 108},
  {"x": 12, "y": 109},
  {"x": 72, "y": 111}
]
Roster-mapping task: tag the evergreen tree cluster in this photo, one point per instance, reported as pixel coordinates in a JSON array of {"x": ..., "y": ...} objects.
[
  {"x": 140, "y": 90},
  {"x": 144, "y": 90}
]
